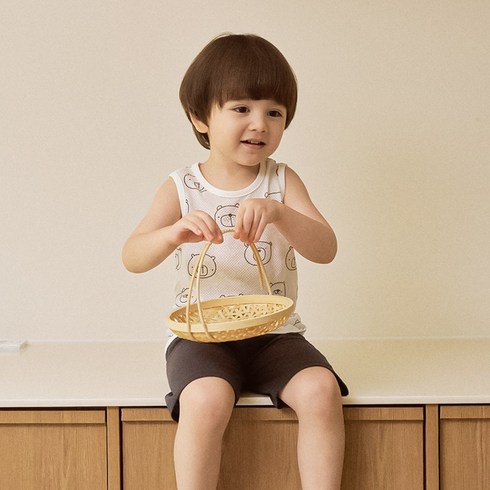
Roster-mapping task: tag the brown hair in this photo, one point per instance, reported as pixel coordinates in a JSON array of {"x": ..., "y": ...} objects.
[{"x": 237, "y": 66}]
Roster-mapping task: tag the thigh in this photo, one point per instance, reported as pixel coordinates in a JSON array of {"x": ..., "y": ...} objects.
[
  {"x": 188, "y": 361},
  {"x": 280, "y": 360}
]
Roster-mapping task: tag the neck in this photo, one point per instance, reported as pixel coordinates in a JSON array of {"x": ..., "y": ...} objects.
[{"x": 228, "y": 178}]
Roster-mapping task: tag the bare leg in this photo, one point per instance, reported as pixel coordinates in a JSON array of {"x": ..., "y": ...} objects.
[
  {"x": 315, "y": 397},
  {"x": 206, "y": 405}
]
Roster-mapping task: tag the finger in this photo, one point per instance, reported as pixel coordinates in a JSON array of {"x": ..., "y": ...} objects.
[
  {"x": 215, "y": 233},
  {"x": 199, "y": 227},
  {"x": 239, "y": 223},
  {"x": 207, "y": 226},
  {"x": 260, "y": 230},
  {"x": 218, "y": 236},
  {"x": 188, "y": 227},
  {"x": 246, "y": 232},
  {"x": 253, "y": 230}
]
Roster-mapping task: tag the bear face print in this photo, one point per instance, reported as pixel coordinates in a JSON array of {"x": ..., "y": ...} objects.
[
  {"x": 192, "y": 183},
  {"x": 263, "y": 248},
  {"x": 273, "y": 195},
  {"x": 178, "y": 258},
  {"x": 225, "y": 216},
  {"x": 279, "y": 288},
  {"x": 182, "y": 297},
  {"x": 208, "y": 267},
  {"x": 291, "y": 259}
]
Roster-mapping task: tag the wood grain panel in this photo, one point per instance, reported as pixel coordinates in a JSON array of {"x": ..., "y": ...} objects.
[
  {"x": 39, "y": 416},
  {"x": 465, "y": 447},
  {"x": 384, "y": 449},
  {"x": 113, "y": 449},
  {"x": 52, "y": 450},
  {"x": 259, "y": 450},
  {"x": 432, "y": 447},
  {"x": 147, "y": 449}
]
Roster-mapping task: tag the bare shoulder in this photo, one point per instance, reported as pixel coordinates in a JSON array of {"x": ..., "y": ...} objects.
[
  {"x": 296, "y": 196},
  {"x": 167, "y": 192},
  {"x": 295, "y": 187},
  {"x": 164, "y": 209}
]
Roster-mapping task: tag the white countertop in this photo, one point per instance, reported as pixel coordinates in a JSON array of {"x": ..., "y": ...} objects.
[{"x": 377, "y": 371}]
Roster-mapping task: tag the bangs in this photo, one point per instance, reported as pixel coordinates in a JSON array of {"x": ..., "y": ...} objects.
[
  {"x": 235, "y": 67},
  {"x": 254, "y": 74}
]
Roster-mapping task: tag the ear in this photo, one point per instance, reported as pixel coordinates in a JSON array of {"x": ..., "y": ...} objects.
[{"x": 199, "y": 125}]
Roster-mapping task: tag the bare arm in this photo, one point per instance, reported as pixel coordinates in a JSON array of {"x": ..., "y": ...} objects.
[
  {"x": 297, "y": 219},
  {"x": 163, "y": 229}
]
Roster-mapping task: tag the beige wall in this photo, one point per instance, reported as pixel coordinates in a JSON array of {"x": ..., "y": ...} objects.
[{"x": 391, "y": 136}]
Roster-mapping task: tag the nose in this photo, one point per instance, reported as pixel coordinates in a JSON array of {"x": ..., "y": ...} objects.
[{"x": 258, "y": 122}]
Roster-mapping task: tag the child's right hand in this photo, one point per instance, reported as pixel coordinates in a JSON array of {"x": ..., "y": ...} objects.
[
  {"x": 163, "y": 229},
  {"x": 195, "y": 227}
]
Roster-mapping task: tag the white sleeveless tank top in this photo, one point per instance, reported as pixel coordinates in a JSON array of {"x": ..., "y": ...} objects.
[{"x": 229, "y": 268}]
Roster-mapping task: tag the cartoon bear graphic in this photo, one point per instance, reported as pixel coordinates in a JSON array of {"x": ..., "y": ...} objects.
[
  {"x": 263, "y": 248},
  {"x": 291, "y": 259},
  {"x": 178, "y": 258},
  {"x": 225, "y": 216},
  {"x": 182, "y": 297},
  {"x": 273, "y": 195},
  {"x": 192, "y": 183},
  {"x": 279, "y": 288},
  {"x": 208, "y": 267}
]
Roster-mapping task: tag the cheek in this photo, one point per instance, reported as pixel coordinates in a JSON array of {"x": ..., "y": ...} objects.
[
  {"x": 278, "y": 135},
  {"x": 218, "y": 132}
]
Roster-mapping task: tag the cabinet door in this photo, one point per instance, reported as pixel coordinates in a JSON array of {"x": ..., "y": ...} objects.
[
  {"x": 384, "y": 448},
  {"x": 259, "y": 450},
  {"x": 465, "y": 447},
  {"x": 147, "y": 449},
  {"x": 52, "y": 450}
]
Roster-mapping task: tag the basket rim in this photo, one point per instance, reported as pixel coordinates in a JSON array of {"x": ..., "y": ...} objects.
[
  {"x": 255, "y": 299},
  {"x": 203, "y": 325}
]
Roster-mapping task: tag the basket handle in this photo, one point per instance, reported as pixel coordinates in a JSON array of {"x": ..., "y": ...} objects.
[{"x": 196, "y": 279}]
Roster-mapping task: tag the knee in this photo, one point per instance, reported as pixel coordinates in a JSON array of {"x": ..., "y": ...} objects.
[
  {"x": 323, "y": 392},
  {"x": 316, "y": 392},
  {"x": 209, "y": 401}
]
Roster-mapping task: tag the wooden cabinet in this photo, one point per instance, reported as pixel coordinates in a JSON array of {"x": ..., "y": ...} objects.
[
  {"x": 259, "y": 450},
  {"x": 402, "y": 448},
  {"x": 147, "y": 437},
  {"x": 53, "y": 449},
  {"x": 465, "y": 447},
  {"x": 384, "y": 448}
]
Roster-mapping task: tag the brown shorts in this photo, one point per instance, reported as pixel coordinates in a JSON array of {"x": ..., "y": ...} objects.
[{"x": 262, "y": 365}]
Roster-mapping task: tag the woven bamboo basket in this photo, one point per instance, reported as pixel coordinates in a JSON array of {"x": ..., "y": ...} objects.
[{"x": 229, "y": 318}]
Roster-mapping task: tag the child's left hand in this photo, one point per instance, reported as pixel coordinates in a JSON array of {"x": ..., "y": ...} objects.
[{"x": 253, "y": 216}]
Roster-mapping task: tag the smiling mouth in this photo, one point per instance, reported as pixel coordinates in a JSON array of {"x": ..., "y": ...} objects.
[{"x": 254, "y": 142}]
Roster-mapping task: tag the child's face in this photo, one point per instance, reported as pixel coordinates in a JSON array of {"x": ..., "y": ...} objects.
[{"x": 244, "y": 132}]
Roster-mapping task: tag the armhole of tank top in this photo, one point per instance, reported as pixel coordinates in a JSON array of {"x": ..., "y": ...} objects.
[
  {"x": 281, "y": 173},
  {"x": 180, "y": 191}
]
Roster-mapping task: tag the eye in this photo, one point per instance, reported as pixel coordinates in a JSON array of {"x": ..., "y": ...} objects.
[
  {"x": 275, "y": 113},
  {"x": 241, "y": 109}
]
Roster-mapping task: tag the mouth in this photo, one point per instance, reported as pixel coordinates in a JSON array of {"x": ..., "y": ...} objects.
[{"x": 252, "y": 142}]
